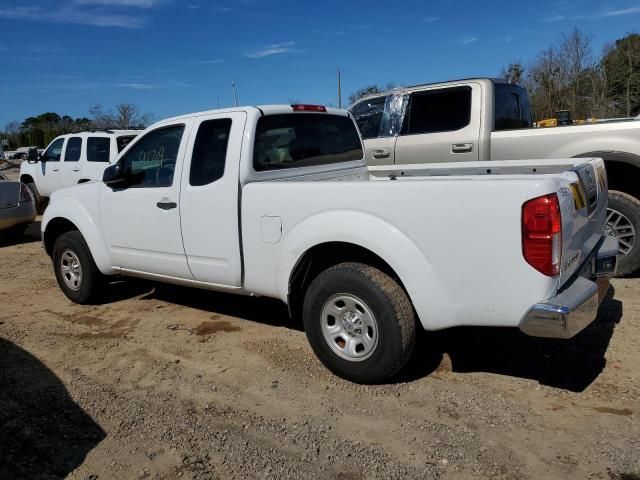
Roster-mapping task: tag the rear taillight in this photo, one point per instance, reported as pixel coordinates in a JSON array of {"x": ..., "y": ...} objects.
[
  {"x": 308, "y": 108},
  {"x": 542, "y": 234},
  {"x": 25, "y": 194}
]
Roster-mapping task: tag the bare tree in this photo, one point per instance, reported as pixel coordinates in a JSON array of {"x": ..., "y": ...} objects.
[
  {"x": 126, "y": 115},
  {"x": 514, "y": 73}
]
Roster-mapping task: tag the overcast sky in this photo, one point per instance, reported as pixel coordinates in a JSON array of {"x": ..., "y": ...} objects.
[{"x": 171, "y": 57}]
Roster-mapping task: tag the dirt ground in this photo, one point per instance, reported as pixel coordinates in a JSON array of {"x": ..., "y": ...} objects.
[{"x": 169, "y": 382}]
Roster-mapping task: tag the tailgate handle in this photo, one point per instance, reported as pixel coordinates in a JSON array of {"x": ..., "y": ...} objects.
[
  {"x": 384, "y": 153},
  {"x": 462, "y": 147}
]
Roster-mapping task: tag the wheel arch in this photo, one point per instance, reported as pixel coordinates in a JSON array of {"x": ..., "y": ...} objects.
[
  {"x": 67, "y": 214},
  {"x": 622, "y": 170},
  {"x": 331, "y": 237},
  {"x": 56, "y": 227},
  {"x": 326, "y": 255},
  {"x": 26, "y": 178}
]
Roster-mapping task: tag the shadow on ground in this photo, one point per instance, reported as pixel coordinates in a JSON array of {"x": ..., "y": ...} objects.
[
  {"x": 15, "y": 236},
  {"x": 567, "y": 364},
  {"x": 44, "y": 434},
  {"x": 267, "y": 311}
]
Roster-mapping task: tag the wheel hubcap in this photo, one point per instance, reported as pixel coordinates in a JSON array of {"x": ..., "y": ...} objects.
[
  {"x": 619, "y": 226},
  {"x": 71, "y": 270},
  {"x": 349, "y": 327}
]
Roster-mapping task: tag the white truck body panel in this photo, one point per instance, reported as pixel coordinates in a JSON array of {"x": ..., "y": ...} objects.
[{"x": 462, "y": 268}]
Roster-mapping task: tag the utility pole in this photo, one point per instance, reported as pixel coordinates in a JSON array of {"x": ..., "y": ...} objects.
[
  {"x": 235, "y": 93},
  {"x": 339, "y": 90}
]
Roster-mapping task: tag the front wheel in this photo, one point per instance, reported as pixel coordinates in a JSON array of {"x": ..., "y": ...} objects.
[
  {"x": 76, "y": 272},
  {"x": 39, "y": 202},
  {"x": 623, "y": 222},
  {"x": 359, "y": 322}
]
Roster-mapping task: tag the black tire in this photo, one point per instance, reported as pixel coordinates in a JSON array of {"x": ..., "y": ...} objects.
[
  {"x": 391, "y": 309},
  {"x": 91, "y": 282},
  {"x": 629, "y": 207},
  {"x": 39, "y": 202}
]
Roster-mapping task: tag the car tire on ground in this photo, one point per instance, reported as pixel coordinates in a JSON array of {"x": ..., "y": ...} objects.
[
  {"x": 359, "y": 322},
  {"x": 38, "y": 201},
  {"x": 75, "y": 269},
  {"x": 623, "y": 221}
]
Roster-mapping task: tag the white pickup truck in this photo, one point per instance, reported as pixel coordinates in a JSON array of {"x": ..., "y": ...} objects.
[
  {"x": 278, "y": 201},
  {"x": 71, "y": 159},
  {"x": 483, "y": 119}
]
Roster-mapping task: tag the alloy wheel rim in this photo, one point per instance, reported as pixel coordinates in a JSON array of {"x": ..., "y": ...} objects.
[
  {"x": 619, "y": 226},
  {"x": 349, "y": 327}
]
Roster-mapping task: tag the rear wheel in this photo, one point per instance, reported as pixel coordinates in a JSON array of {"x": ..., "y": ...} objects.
[
  {"x": 76, "y": 272},
  {"x": 623, "y": 222},
  {"x": 359, "y": 322}
]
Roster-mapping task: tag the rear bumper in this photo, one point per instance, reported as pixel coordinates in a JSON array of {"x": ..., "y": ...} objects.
[{"x": 569, "y": 312}]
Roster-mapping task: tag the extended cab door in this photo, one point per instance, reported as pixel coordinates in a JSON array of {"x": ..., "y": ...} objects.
[
  {"x": 70, "y": 165},
  {"x": 441, "y": 125},
  {"x": 48, "y": 168},
  {"x": 209, "y": 199},
  {"x": 141, "y": 220}
]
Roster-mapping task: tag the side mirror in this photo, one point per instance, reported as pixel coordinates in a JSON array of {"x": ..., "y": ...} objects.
[
  {"x": 114, "y": 176},
  {"x": 33, "y": 157}
]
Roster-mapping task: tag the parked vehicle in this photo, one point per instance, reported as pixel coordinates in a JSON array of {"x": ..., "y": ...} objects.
[
  {"x": 71, "y": 159},
  {"x": 278, "y": 201},
  {"x": 483, "y": 119},
  {"x": 17, "y": 209}
]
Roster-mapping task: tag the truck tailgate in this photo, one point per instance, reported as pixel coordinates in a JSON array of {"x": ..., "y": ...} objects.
[{"x": 582, "y": 195}]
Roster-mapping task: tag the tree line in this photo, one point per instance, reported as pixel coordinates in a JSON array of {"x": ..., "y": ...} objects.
[
  {"x": 569, "y": 76},
  {"x": 42, "y": 129}
]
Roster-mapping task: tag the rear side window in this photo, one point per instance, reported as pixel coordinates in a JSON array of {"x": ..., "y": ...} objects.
[
  {"x": 123, "y": 141},
  {"x": 98, "y": 149},
  {"x": 209, "y": 152},
  {"x": 368, "y": 115},
  {"x": 72, "y": 150},
  {"x": 304, "y": 140},
  {"x": 512, "y": 108},
  {"x": 444, "y": 110}
]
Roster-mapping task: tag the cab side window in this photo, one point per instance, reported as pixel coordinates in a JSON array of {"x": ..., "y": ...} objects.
[
  {"x": 72, "y": 150},
  {"x": 54, "y": 152},
  {"x": 209, "y": 152},
  {"x": 442, "y": 110},
  {"x": 151, "y": 161}
]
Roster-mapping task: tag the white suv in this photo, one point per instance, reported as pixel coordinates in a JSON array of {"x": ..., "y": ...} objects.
[{"x": 71, "y": 159}]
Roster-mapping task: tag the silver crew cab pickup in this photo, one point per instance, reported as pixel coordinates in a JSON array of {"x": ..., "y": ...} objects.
[{"x": 483, "y": 119}]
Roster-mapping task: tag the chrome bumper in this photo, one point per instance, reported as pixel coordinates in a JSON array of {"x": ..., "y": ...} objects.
[{"x": 569, "y": 312}]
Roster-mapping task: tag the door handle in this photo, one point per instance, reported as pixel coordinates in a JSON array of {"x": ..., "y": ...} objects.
[
  {"x": 383, "y": 153},
  {"x": 462, "y": 147},
  {"x": 76, "y": 169},
  {"x": 166, "y": 205},
  {"x": 55, "y": 169}
]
